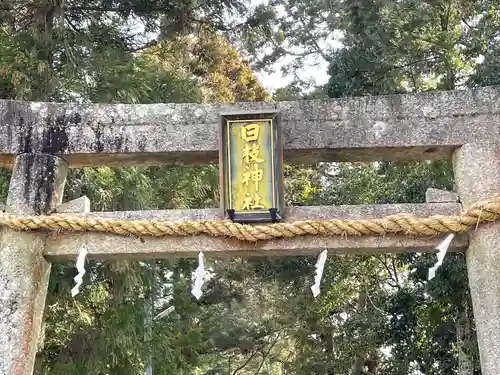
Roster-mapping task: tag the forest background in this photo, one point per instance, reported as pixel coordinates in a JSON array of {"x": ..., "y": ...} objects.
[{"x": 376, "y": 315}]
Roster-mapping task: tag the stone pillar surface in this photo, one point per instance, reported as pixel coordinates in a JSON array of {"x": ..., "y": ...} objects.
[
  {"x": 477, "y": 176},
  {"x": 36, "y": 187}
]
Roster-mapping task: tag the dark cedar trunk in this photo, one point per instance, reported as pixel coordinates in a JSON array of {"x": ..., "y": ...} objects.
[
  {"x": 372, "y": 363},
  {"x": 359, "y": 362},
  {"x": 42, "y": 30},
  {"x": 464, "y": 341},
  {"x": 38, "y": 369},
  {"x": 357, "y": 367},
  {"x": 449, "y": 79}
]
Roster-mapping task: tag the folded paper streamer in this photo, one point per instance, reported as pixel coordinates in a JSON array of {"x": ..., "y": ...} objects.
[
  {"x": 80, "y": 267},
  {"x": 320, "y": 265},
  {"x": 443, "y": 249},
  {"x": 199, "y": 277}
]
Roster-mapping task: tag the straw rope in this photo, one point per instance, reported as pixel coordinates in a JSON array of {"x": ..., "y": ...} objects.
[{"x": 481, "y": 212}]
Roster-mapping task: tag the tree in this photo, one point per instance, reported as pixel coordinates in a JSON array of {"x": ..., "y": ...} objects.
[
  {"x": 483, "y": 42},
  {"x": 222, "y": 74},
  {"x": 51, "y": 47},
  {"x": 413, "y": 43}
]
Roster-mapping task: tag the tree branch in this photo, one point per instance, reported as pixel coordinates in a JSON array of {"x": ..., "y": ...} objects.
[
  {"x": 315, "y": 42},
  {"x": 258, "y": 339},
  {"x": 395, "y": 270},
  {"x": 116, "y": 9},
  {"x": 147, "y": 45},
  {"x": 23, "y": 27},
  {"x": 413, "y": 63},
  {"x": 288, "y": 52},
  {"x": 371, "y": 302},
  {"x": 248, "y": 360},
  {"x": 389, "y": 272},
  {"x": 264, "y": 356},
  {"x": 71, "y": 24},
  {"x": 466, "y": 23}
]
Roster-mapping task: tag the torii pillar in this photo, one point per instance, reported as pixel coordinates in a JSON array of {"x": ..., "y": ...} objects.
[
  {"x": 477, "y": 176},
  {"x": 36, "y": 187}
]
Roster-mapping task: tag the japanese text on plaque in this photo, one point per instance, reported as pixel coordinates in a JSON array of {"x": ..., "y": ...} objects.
[{"x": 252, "y": 182}]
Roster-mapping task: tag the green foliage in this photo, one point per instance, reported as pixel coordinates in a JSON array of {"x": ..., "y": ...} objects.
[
  {"x": 223, "y": 76},
  {"x": 483, "y": 40},
  {"x": 133, "y": 188},
  {"x": 383, "y": 182},
  {"x": 56, "y": 51},
  {"x": 412, "y": 45},
  {"x": 4, "y": 184}
]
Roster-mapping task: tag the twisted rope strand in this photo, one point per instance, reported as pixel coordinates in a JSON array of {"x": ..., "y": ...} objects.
[{"x": 481, "y": 212}]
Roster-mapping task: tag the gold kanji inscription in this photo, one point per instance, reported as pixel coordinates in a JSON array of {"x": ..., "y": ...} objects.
[
  {"x": 251, "y": 153},
  {"x": 250, "y": 132},
  {"x": 256, "y": 174},
  {"x": 252, "y": 203}
]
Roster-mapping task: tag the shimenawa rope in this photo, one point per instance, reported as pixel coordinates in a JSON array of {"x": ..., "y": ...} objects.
[{"x": 481, "y": 212}]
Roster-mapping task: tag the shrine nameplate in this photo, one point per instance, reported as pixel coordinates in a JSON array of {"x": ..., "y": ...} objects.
[{"x": 251, "y": 166}]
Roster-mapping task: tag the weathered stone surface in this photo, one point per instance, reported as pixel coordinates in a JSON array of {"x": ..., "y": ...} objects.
[
  {"x": 427, "y": 125},
  {"x": 81, "y": 204},
  {"x": 440, "y": 196},
  {"x": 102, "y": 246},
  {"x": 477, "y": 175},
  {"x": 36, "y": 188}
]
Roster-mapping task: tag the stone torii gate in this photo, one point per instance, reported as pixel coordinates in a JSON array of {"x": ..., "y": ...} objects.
[{"x": 40, "y": 141}]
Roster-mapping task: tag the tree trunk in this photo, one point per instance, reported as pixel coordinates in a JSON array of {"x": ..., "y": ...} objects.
[
  {"x": 359, "y": 362},
  {"x": 357, "y": 368},
  {"x": 42, "y": 29},
  {"x": 372, "y": 363},
  {"x": 38, "y": 369},
  {"x": 464, "y": 341}
]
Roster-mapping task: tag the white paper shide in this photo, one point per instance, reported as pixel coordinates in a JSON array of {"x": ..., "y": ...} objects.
[
  {"x": 320, "y": 265},
  {"x": 80, "y": 267},
  {"x": 199, "y": 276},
  {"x": 442, "y": 250}
]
